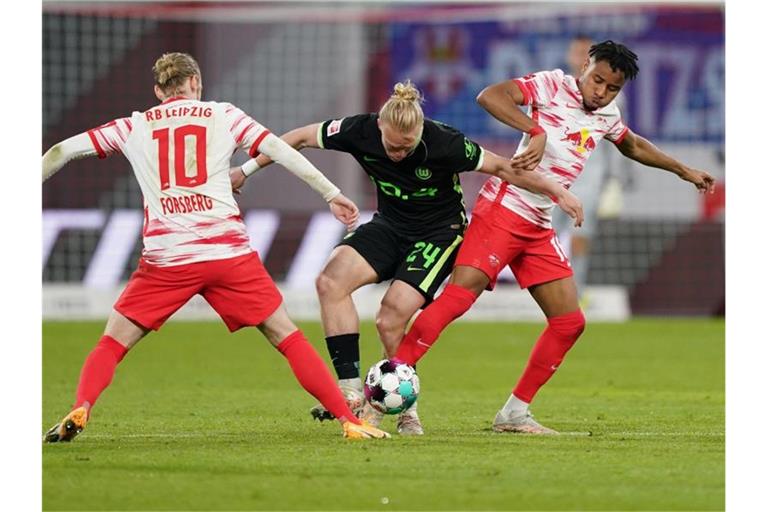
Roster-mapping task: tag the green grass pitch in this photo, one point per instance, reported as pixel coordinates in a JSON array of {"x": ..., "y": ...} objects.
[{"x": 197, "y": 419}]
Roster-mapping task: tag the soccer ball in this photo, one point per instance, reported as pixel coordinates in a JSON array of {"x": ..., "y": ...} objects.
[{"x": 391, "y": 387}]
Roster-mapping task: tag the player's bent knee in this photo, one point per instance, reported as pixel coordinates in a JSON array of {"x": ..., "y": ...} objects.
[
  {"x": 392, "y": 316},
  {"x": 470, "y": 278},
  {"x": 568, "y": 326},
  {"x": 388, "y": 327},
  {"x": 326, "y": 286},
  {"x": 384, "y": 321}
]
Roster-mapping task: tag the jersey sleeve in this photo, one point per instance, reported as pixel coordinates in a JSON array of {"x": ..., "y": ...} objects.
[
  {"x": 340, "y": 134},
  {"x": 459, "y": 152},
  {"x": 539, "y": 89},
  {"x": 246, "y": 131},
  {"x": 110, "y": 138},
  {"x": 617, "y": 131}
]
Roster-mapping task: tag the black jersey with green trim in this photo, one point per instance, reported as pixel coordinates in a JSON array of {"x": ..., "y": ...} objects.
[{"x": 422, "y": 191}]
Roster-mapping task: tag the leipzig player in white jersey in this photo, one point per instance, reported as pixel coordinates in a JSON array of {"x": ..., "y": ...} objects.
[
  {"x": 568, "y": 117},
  {"x": 195, "y": 241}
]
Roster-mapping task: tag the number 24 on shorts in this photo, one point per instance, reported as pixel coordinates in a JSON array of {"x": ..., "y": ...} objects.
[{"x": 428, "y": 250}]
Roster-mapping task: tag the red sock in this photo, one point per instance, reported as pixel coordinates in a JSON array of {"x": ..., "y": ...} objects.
[
  {"x": 548, "y": 352},
  {"x": 98, "y": 370},
  {"x": 451, "y": 304},
  {"x": 314, "y": 376}
]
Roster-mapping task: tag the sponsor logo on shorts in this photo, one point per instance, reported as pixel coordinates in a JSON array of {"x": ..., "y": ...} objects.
[{"x": 493, "y": 260}]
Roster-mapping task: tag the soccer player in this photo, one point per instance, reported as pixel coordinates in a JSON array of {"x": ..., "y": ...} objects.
[
  {"x": 195, "y": 241},
  {"x": 589, "y": 188},
  {"x": 568, "y": 117},
  {"x": 412, "y": 240}
]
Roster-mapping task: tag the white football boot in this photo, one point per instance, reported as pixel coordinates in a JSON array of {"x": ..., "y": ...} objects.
[
  {"x": 408, "y": 422},
  {"x": 521, "y": 423},
  {"x": 371, "y": 416}
]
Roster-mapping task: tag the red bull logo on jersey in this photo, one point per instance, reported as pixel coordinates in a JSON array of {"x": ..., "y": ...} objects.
[{"x": 581, "y": 139}]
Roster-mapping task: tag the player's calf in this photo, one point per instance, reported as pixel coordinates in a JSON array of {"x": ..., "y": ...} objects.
[
  {"x": 451, "y": 304},
  {"x": 548, "y": 353}
]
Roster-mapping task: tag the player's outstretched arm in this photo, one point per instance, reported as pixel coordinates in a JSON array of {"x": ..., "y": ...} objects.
[
  {"x": 79, "y": 146},
  {"x": 501, "y": 100},
  {"x": 281, "y": 152},
  {"x": 298, "y": 138},
  {"x": 642, "y": 150},
  {"x": 535, "y": 182}
]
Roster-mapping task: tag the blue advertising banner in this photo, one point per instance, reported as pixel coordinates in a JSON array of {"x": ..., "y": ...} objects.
[{"x": 678, "y": 95}]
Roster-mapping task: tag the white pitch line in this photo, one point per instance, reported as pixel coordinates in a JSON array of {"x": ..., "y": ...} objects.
[
  {"x": 171, "y": 436},
  {"x": 198, "y": 435},
  {"x": 644, "y": 434},
  {"x": 673, "y": 434}
]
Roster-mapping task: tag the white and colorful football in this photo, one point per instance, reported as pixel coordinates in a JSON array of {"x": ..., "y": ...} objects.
[{"x": 391, "y": 387}]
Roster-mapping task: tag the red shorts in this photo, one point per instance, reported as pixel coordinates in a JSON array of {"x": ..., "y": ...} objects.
[
  {"x": 239, "y": 289},
  {"x": 497, "y": 237}
]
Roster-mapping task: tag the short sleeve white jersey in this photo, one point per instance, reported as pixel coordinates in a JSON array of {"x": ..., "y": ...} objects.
[
  {"x": 573, "y": 133},
  {"x": 180, "y": 152}
]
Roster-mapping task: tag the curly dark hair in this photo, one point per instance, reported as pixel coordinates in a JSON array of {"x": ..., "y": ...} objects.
[{"x": 618, "y": 56}]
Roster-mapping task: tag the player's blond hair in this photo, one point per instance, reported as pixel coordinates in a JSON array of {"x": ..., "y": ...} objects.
[
  {"x": 172, "y": 69},
  {"x": 402, "y": 110}
]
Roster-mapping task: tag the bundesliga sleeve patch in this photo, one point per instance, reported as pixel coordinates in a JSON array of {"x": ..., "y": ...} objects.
[{"x": 334, "y": 127}]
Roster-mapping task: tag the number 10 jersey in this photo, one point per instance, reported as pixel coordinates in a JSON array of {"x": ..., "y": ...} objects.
[{"x": 180, "y": 152}]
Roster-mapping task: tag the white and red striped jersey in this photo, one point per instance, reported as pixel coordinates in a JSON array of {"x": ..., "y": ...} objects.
[
  {"x": 556, "y": 104},
  {"x": 180, "y": 152}
]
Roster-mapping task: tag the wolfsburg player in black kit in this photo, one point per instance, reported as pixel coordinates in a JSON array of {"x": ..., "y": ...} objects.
[{"x": 413, "y": 237}]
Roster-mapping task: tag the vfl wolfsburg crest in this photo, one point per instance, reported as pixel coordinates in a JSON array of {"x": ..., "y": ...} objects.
[{"x": 423, "y": 173}]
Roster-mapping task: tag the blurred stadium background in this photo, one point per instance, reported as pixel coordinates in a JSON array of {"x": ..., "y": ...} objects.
[{"x": 288, "y": 64}]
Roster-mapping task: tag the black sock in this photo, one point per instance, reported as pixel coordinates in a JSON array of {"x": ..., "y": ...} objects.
[{"x": 344, "y": 350}]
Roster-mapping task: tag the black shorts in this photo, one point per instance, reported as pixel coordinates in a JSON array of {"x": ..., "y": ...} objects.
[{"x": 423, "y": 261}]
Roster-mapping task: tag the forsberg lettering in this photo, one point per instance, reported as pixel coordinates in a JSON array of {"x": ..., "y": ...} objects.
[{"x": 186, "y": 204}]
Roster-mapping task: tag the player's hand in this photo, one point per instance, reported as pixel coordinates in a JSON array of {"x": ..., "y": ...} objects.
[
  {"x": 345, "y": 211},
  {"x": 703, "y": 181},
  {"x": 237, "y": 179},
  {"x": 571, "y": 205},
  {"x": 529, "y": 159}
]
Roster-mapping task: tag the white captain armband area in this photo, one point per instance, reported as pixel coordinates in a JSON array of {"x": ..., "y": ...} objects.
[{"x": 250, "y": 167}]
